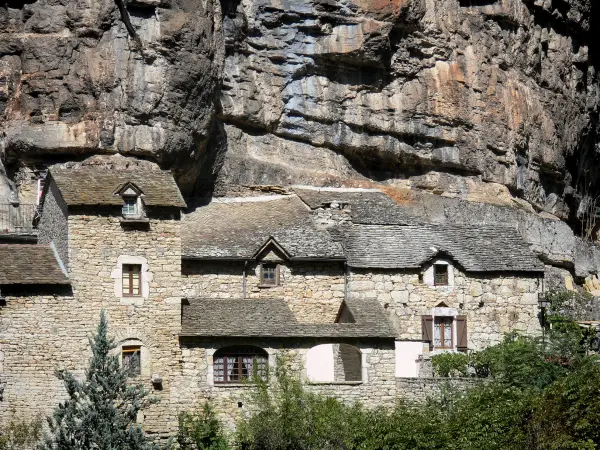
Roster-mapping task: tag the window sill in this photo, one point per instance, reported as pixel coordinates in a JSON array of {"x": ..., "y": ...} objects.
[
  {"x": 335, "y": 383},
  {"x": 236, "y": 385},
  {"x": 134, "y": 220},
  {"x": 135, "y": 301},
  {"x": 268, "y": 286}
]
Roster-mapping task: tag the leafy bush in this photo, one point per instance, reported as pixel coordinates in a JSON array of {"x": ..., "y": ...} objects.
[
  {"x": 20, "y": 435},
  {"x": 201, "y": 430},
  {"x": 290, "y": 417},
  {"x": 450, "y": 364}
]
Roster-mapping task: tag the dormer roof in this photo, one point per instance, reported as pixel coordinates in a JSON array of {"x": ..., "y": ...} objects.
[
  {"x": 98, "y": 186},
  {"x": 129, "y": 189}
]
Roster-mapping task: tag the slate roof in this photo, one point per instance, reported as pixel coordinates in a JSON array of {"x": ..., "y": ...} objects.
[
  {"x": 367, "y": 205},
  {"x": 476, "y": 248},
  {"x": 96, "y": 186},
  {"x": 238, "y": 229},
  {"x": 29, "y": 264},
  {"x": 273, "y": 318}
]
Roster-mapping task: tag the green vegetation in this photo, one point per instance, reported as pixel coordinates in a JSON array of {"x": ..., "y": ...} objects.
[
  {"x": 20, "y": 434},
  {"x": 201, "y": 430}
]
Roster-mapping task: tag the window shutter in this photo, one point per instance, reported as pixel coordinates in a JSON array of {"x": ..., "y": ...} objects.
[
  {"x": 461, "y": 333},
  {"x": 427, "y": 329}
]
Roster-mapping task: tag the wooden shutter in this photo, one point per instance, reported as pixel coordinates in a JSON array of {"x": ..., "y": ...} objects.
[
  {"x": 461, "y": 333},
  {"x": 427, "y": 329}
]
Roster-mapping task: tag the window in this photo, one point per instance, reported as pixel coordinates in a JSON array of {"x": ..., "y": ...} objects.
[
  {"x": 440, "y": 274},
  {"x": 132, "y": 358},
  {"x": 443, "y": 328},
  {"x": 130, "y": 208},
  {"x": 132, "y": 280},
  {"x": 269, "y": 275},
  {"x": 236, "y": 364}
]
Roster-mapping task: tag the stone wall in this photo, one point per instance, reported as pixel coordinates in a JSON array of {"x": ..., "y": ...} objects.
[
  {"x": 53, "y": 224},
  {"x": 493, "y": 303},
  {"x": 418, "y": 390},
  {"x": 314, "y": 291},
  {"x": 231, "y": 402},
  {"x": 41, "y": 334}
]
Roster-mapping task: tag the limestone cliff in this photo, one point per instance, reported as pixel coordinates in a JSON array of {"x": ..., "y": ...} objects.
[{"x": 491, "y": 101}]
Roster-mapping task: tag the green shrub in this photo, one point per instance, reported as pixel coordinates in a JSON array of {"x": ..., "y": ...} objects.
[
  {"x": 20, "y": 434},
  {"x": 201, "y": 430},
  {"x": 450, "y": 364}
]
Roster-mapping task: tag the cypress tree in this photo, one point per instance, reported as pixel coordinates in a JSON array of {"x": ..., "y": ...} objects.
[{"x": 101, "y": 410}]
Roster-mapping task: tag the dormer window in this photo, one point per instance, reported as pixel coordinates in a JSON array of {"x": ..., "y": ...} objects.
[{"x": 132, "y": 209}]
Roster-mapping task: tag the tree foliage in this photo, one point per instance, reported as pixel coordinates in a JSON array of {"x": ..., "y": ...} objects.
[
  {"x": 101, "y": 410},
  {"x": 201, "y": 430}
]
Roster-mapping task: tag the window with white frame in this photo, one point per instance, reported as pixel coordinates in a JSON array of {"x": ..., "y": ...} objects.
[
  {"x": 132, "y": 280},
  {"x": 130, "y": 207}
]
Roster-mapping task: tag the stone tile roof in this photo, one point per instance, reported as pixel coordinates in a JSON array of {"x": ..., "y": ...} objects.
[
  {"x": 273, "y": 318},
  {"x": 96, "y": 186},
  {"x": 238, "y": 229},
  {"x": 29, "y": 264},
  {"x": 317, "y": 198},
  {"x": 370, "y": 206},
  {"x": 475, "y": 248}
]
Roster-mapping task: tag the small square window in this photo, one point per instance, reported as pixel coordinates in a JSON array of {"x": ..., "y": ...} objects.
[
  {"x": 269, "y": 275},
  {"x": 132, "y": 359},
  {"x": 132, "y": 280},
  {"x": 440, "y": 274},
  {"x": 130, "y": 208}
]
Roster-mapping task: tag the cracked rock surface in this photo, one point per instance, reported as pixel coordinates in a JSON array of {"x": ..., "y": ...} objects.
[
  {"x": 501, "y": 91},
  {"x": 75, "y": 80}
]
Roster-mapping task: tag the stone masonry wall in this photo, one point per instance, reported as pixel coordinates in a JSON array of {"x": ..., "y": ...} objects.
[
  {"x": 494, "y": 304},
  {"x": 41, "y": 334},
  {"x": 233, "y": 401},
  {"x": 418, "y": 390},
  {"x": 314, "y": 291},
  {"x": 53, "y": 225}
]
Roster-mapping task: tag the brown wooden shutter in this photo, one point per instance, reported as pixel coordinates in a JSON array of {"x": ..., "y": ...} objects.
[
  {"x": 461, "y": 334},
  {"x": 427, "y": 329}
]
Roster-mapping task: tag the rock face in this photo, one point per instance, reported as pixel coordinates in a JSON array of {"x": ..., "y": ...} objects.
[
  {"x": 319, "y": 91},
  {"x": 492, "y": 101},
  {"x": 79, "y": 77}
]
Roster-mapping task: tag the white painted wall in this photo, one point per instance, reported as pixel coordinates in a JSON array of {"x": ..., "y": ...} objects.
[
  {"x": 319, "y": 363},
  {"x": 406, "y": 358}
]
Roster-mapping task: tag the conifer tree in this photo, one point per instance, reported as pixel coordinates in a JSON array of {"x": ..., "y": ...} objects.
[{"x": 101, "y": 410}]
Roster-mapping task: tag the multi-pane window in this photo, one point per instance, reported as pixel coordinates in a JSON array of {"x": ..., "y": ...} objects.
[
  {"x": 132, "y": 280},
  {"x": 130, "y": 207},
  {"x": 132, "y": 359},
  {"x": 269, "y": 275},
  {"x": 236, "y": 364},
  {"x": 440, "y": 274},
  {"x": 442, "y": 332}
]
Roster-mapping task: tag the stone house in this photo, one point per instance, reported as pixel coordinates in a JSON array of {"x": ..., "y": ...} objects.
[{"x": 200, "y": 302}]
